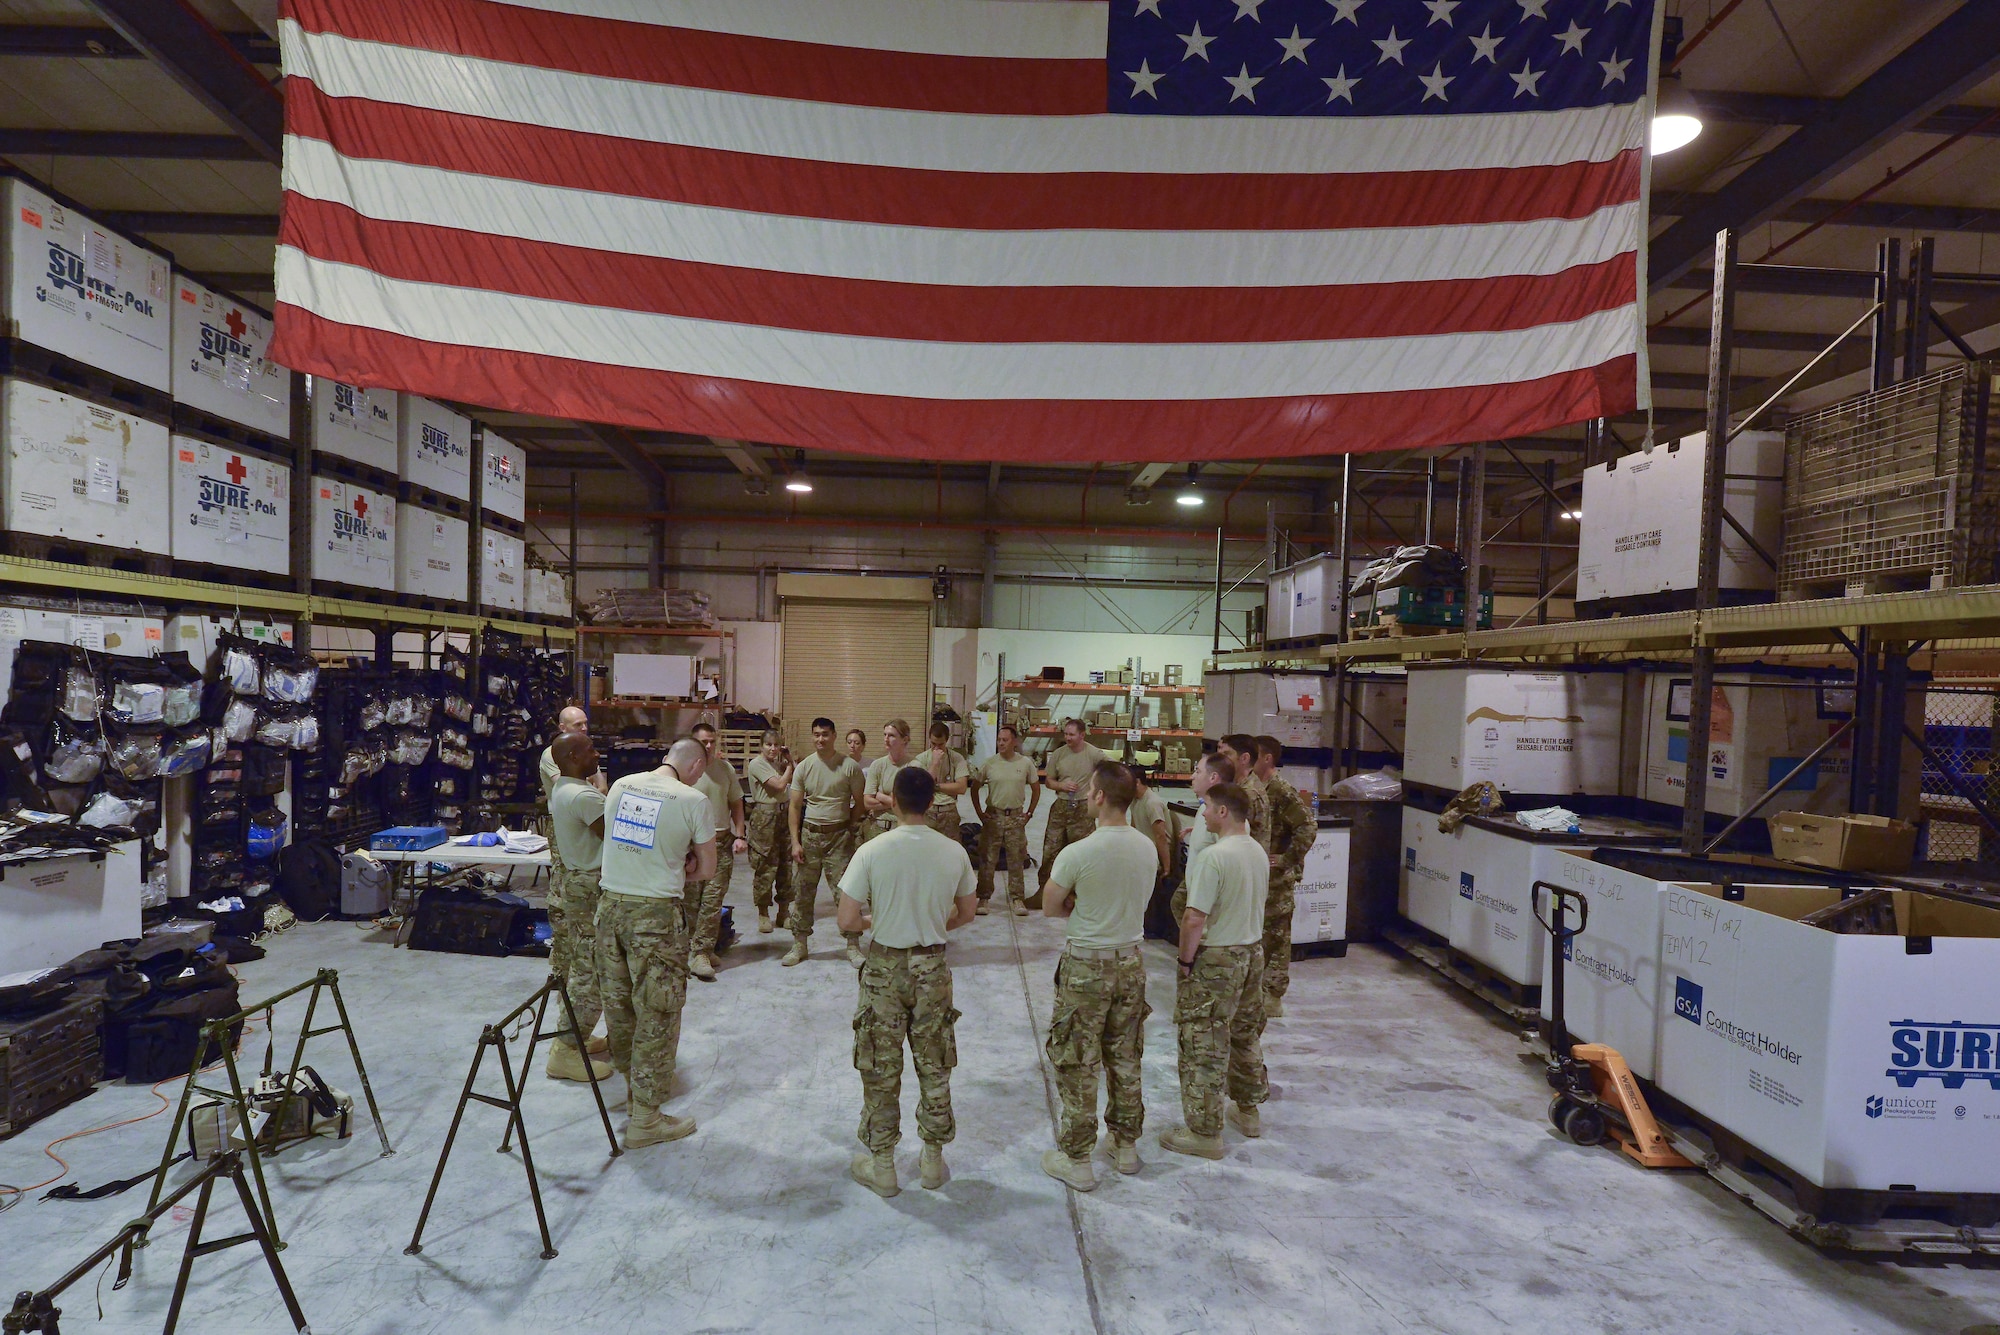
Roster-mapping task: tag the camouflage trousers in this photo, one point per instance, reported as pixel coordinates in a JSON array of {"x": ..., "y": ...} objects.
[
  {"x": 828, "y": 849},
  {"x": 1099, "y": 1024},
  {"x": 1219, "y": 1009},
  {"x": 873, "y": 826},
  {"x": 642, "y": 959},
  {"x": 1069, "y": 822},
  {"x": 905, "y": 996},
  {"x": 770, "y": 854},
  {"x": 1278, "y": 905},
  {"x": 943, "y": 817},
  {"x": 704, "y": 898},
  {"x": 573, "y": 946},
  {"x": 1004, "y": 831}
]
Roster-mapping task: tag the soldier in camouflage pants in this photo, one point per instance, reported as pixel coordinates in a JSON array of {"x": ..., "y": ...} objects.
[
  {"x": 1293, "y": 830},
  {"x": 768, "y": 861},
  {"x": 704, "y": 898},
  {"x": 1219, "y": 1010},
  {"x": 642, "y": 965},
  {"x": 905, "y": 996},
  {"x": 1004, "y": 830},
  {"x": 828, "y": 849},
  {"x": 573, "y": 946},
  {"x": 1100, "y": 1022}
]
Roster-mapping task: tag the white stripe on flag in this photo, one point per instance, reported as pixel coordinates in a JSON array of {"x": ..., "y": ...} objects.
[
  {"x": 943, "y": 141},
  {"x": 946, "y": 257},
  {"x": 955, "y": 371}
]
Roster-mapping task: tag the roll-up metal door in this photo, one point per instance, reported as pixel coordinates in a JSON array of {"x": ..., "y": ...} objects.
[{"x": 858, "y": 663}]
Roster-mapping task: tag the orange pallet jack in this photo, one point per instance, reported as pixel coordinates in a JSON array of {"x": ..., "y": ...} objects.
[{"x": 1596, "y": 1093}]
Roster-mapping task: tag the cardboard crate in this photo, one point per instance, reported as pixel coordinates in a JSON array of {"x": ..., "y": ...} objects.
[
  {"x": 77, "y": 470},
  {"x": 354, "y": 535},
  {"x": 221, "y": 360},
  {"x": 358, "y": 424},
  {"x": 230, "y": 508},
  {"x": 433, "y": 553},
  {"x": 434, "y": 447},
  {"x": 77, "y": 288},
  {"x": 1844, "y": 843}
]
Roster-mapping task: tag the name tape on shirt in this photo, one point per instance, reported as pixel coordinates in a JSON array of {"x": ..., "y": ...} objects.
[{"x": 637, "y": 820}]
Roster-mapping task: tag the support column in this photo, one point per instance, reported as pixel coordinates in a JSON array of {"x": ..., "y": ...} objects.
[
  {"x": 1430, "y": 496},
  {"x": 1342, "y": 719},
  {"x": 1916, "y": 349},
  {"x": 1867, "y": 723},
  {"x": 1721, "y": 336},
  {"x": 1218, "y": 592},
  {"x": 1472, "y": 537},
  {"x": 1884, "y": 332},
  {"x": 988, "y": 562},
  {"x": 1892, "y": 703}
]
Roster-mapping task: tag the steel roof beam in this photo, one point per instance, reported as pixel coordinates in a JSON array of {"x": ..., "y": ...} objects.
[
  {"x": 1874, "y": 214},
  {"x": 1957, "y": 54},
  {"x": 83, "y": 43},
  {"x": 126, "y": 144},
  {"x": 194, "y": 224},
  {"x": 1796, "y": 280},
  {"x": 1736, "y": 108},
  {"x": 204, "y": 63},
  {"x": 620, "y": 446}
]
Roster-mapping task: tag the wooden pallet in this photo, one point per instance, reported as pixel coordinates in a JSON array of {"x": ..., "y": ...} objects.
[
  {"x": 70, "y": 376},
  {"x": 221, "y": 431},
  {"x": 1387, "y": 627},
  {"x": 245, "y": 579},
  {"x": 412, "y": 494},
  {"x": 1482, "y": 978},
  {"x": 91, "y": 555},
  {"x": 350, "y": 470},
  {"x": 1426, "y": 948}
]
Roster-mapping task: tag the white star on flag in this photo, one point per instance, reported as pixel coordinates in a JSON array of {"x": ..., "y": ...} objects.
[
  {"x": 1484, "y": 45},
  {"x": 1143, "y": 80},
  {"x": 1537, "y": 9},
  {"x": 1614, "y": 70},
  {"x": 1247, "y": 9},
  {"x": 1197, "y": 45},
  {"x": 1434, "y": 83},
  {"x": 1572, "y": 40},
  {"x": 1295, "y": 45},
  {"x": 1346, "y": 9},
  {"x": 1392, "y": 49},
  {"x": 1441, "y": 11},
  {"x": 1614, "y": 4},
  {"x": 1340, "y": 86},
  {"x": 1526, "y": 80},
  {"x": 1244, "y": 83},
  {"x": 1148, "y": 7}
]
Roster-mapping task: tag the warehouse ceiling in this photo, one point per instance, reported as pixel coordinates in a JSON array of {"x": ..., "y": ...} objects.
[{"x": 1829, "y": 125}]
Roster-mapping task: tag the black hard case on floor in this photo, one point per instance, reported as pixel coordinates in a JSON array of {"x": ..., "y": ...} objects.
[
  {"x": 48, "y": 1061},
  {"x": 466, "y": 923}
]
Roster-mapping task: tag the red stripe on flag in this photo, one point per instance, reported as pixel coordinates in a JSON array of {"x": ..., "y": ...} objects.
[
  {"x": 454, "y": 258},
  {"x": 1124, "y": 201},
  {"x": 1026, "y": 431},
  {"x": 727, "y": 62}
]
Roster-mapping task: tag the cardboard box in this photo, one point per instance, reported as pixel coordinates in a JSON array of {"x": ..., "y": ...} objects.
[
  {"x": 503, "y": 486},
  {"x": 354, "y": 423},
  {"x": 230, "y": 508},
  {"x": 434, "y": 447},
  {"x": 502, "y": 583},
  {"x": 73, "y": 469},
  {"x": 1319, "y": 912},
  {"x": 1552, "y": 733},
  {"x": 1845, "y": 843},
  {"x": 74, "y": 287},
  {"x": 221, "y": 360},
  {"x": 433, "y": 553},
  {"x": 354, "y": 535},
  {"x": 1173, "y": 674},
  {"x": 1641, "y": 526}
]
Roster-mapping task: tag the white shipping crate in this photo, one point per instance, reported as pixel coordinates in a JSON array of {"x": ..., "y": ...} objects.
[
  {"x": 504, "y": 479},
  {"x": 74, "y": 287},
  {"x": 1278, "y": 607},
  {"x": 57, "y": 908},
  {"x": 502, "y": 571},
  {"x": 434, "y": 447},
  {"x": 1427, "y": 885},
  {"x": 1319, "y": 912},
  {"x": 548, "y": 593},
  {"x": 1316, "y": 598},
  {"x": 1757, "y": 735},
  {"x": 354, "y": 535},
  {"x": 354, "y": 423},
  {"x": 1851, "y": 1059},
  {"x": 1612, "y": 984},
  {"x": 230, "y": 508},
  {"x": 1641, "y": 526},
  {"x": 1383, "y": 701},
  {"x": 222, "y": 363},
  {"x": 433, "y": 552},
  {"x": 666, "y": 675},
  {"x": 1523, "y": 731},
  {"x": 76, "y": 470}
]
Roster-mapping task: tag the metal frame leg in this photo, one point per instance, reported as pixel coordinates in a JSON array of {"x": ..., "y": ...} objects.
[{"x": 486, "y": 1038}]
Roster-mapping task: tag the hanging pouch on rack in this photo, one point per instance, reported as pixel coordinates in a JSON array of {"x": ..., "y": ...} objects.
[
  {"x": 373, "y": 713},
  {"x": 263, "y": 771},
  {"x": 240, "y": 667},
  {"x": 290, "y": 676},
  {"x": 457, "y": 707},
  {"x": 182, "y": 705},
  {"x": 267, "y": 833},
  {"x": 80, "y": 696},
  {"x": 412, "y": 747},
  {"x": 183, "y": 751},
  {"x": 276, "y": 726},
  {"x": 353, "y": 766},
  {"x": 305, "y": 737},
  {"x": 239, "y": 720},
  {"x": 76, "y": 752},
  {"x": 134, "y": 752}
]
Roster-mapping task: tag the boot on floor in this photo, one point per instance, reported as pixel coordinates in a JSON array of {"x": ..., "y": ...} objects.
[
  {"x": 796, "y": 955},
  {"x": 1245, "y": 1118},
  {"x": 1072, "y": 1172},
  {"x": 566, "y": 1063},
  {"x": 1183, "y": 1141},
  {"x": 935, "y": 1174},
  {"x": 1124, "y": 1154},
  {"x": 877, "y": 1172},
  {"x": 650, "y": 1126}
]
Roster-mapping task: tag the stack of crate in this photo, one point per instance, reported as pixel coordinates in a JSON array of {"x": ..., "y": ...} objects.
[{"x": 1892, "y": 490}]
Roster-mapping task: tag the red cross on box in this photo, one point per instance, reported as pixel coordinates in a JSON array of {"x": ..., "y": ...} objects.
[
  {"x": 237, "y": 472},
  {"x": 361, "y": 506},
  {"x": 235, "y": 322}
]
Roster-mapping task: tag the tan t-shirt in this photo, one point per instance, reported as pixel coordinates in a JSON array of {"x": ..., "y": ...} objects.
[
  {"x": 549, "y": 772},
  {"x": 719, "y": 784},
  {"x": 828, "y": 788},
  {"x": 1064, "y": 763},
  {"x": 1006, "y": 782},
  {"x": 651, "y": 820},
  {"x": 907, "y": 878},
  {"x": 880, "y": 779},
  {"x": 761, "y": 772},
  {"x": 573, "y": 807},
  {"x": 1229, "y": 882},
  {"x": 1111, "y": 873},
  {"x": 1147, "y": 810},
  {"x": 955, "y": 766}
]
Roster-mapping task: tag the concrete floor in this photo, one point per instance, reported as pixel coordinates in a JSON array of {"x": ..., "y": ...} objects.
[{"x": 1406, "y": 1181}]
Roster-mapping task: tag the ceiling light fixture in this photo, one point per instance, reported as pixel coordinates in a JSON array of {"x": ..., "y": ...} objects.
[
  {"x": 796, "y": 481},
  {"x": 1676, "y": 117},
  {"x": 1572, "y": 514},
  {"x": 1190, "y": 495}
]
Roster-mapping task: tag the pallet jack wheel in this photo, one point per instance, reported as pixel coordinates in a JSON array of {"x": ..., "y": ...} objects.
[
  {"x": 1559, "y": 1107},
  {"x": 1584, "y": 1125}
]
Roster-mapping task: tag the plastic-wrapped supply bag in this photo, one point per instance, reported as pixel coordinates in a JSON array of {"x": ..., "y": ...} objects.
[
  {"x": 290, "y": 679},
  {"x": 107, "y": 812},
  {"x": 455, "y": 748},
  {"x": 136, "y": 755},
  {"x": 458, "y": 707},
  {"x": 76, "y": 754},
  {"x": 376, "y": 746},
  {"x": 242, "y": 671},
  {"x": 1383, "y": 785},
  {"x": 153, "y": 894},
  {"x": 353, "y": 766},
  {"x": 239, "y": 721},
  {"x": 402, "y": 710},
  {"x": 184, "y": 753},
  {"x": 181, "y": 704},
  {"x": 305, "y": 737},
  {"x": 276, "y": 728},
  {"x": 80, "y": 699},
  {"x": 373, "y": 713},
  {"x": 267, "y": 833},
  {"x": 412, "y": 747},
  {"x": 138, "y": 702},
  {"x": 481, "y": 725}
]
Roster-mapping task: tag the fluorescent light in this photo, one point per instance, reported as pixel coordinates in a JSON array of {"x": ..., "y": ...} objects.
[
  {"x": 1191, "y": 498},
  {"x": 1572, "y": 514},
  {"x": 1676, "y": 118},
  {"x": 798, "y": 482}
]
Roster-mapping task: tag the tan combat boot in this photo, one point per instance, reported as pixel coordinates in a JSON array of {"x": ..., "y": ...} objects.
[
  {"x": 598, "y": 1045},
  {"x": 1073, "y": 1172},
  {"x": 1018, "y": 908},
  {"x": 796, "y": 955},
  {"x": 566, "y": 1063},
  {"x": 1246, "y": 1118},
  {"x": 877, "y": 1172},
  {"x": 650, "y": 1126},
  {"x": 982, "y": 909},
  {"x": 854, "y": 954},
  {"x": 1274, "y": 1009},
  {"x": 1183, "y": 1141},
  {"x": 702, "y": 967},
  {"x": 764, "y": 922},
  {"x": 1124, "y": 1154},
  {"x": 931, "y": 1165}
]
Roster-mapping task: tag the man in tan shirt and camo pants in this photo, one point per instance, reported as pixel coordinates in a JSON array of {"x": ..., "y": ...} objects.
[
  {"x": 1066, "y": 769},
  {"x": 1010, "y": 789},
  {"x": 825, "y": 812}
]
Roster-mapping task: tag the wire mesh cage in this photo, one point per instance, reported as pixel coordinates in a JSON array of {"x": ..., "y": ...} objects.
[{"x": 1958, "y": 729}]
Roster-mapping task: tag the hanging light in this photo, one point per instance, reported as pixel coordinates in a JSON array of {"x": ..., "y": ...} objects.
[
  {"x": 1676, "y": 117},
  {"x": 797, "y": 481},
  {"x": 1190, "y": 495}
]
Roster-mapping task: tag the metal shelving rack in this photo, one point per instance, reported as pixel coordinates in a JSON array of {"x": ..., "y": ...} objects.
[
  {"x": 1014, "y": 690},
  {"x": 726, "y": 639}
]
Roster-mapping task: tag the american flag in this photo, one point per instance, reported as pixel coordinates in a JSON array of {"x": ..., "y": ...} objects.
[{"x": 977, "y": 229}]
